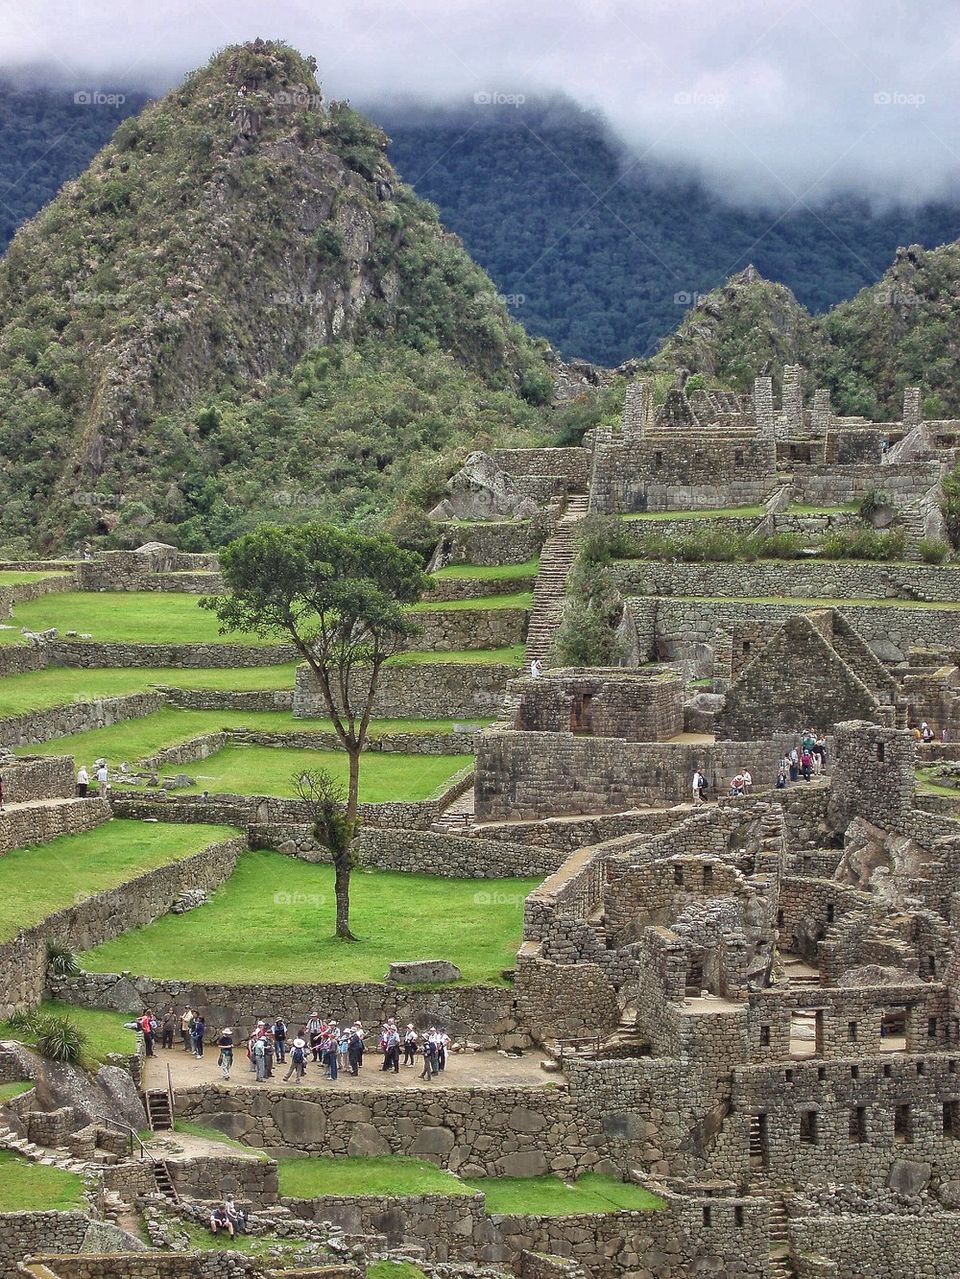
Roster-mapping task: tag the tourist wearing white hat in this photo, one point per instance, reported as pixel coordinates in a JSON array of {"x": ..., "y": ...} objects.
[{"x": 298, "y": 1060}]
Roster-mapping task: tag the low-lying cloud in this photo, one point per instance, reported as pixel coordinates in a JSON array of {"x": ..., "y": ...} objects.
[{"x": 777, "y": 100}]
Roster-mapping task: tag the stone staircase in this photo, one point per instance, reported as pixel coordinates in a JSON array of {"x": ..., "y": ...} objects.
[
  {"x": 457, "y": 817},
  {"x": 11, "y": 1140},
  {"x": 556, "y": 559}
]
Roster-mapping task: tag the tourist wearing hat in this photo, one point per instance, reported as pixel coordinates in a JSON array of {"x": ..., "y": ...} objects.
[
  {"x": 410, "y": 1040},
  {"x": 298, "y": 1060}
]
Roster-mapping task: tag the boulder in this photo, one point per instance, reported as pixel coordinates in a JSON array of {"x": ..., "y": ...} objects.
[
  {"x": 416, "y": 971},
  {"x": 908, "y": 1176},
  {"x": 480, "y": 490},
  {"x": 948, "y": 1192}
]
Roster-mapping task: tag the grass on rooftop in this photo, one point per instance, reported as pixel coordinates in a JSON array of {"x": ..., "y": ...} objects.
[
  {"x": 37, "y": 881},
  {"x": 550, "y": 1197},
  {"x": 105, "y": 1032},
  {"x": 390, "y": 1175},
  {"x": 521, "y": 599},
  {"x": 34, "y": 1187},
  {"x": 63, "y": 685},
  {"x": 134, "y": 739},
  {"x": 270, "y": 770},
  {"x": 511, "y": 655},
  {"x": 127, "y": 617},
  {"x": 489, "y": 572},
  {"x": 272, "y": 923}
]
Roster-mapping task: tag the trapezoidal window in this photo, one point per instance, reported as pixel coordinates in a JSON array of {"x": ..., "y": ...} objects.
[{"x": 808, "y": 1127}]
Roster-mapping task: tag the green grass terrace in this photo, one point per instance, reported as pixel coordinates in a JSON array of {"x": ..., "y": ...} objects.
[
  {"x": 17, "y": 577},
  {"x": 385, "y": 777},
  {"x": 520, "y": 599},
  {"x": 33, "y": 1187},
  {"x": 105, "y": 1033},
  {"x": 37, "y": 881},
  {"x": 488, "y": 572},
  {"x": 135, "y": 739},
  {"x": 272, "y": 923}
]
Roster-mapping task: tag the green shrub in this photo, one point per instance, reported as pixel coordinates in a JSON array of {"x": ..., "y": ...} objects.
[
  {"x": 933, "y": 550},
  {"x": 863, "y": 544},
  {"x": 871, "y": 502},
  {"x": 61, "y": 961},
  {"x": 951, "y": 506},
  {"x": 58, "y": 1039}
]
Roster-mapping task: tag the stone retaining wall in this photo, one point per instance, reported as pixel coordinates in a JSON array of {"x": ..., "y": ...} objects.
[
  {"x": 92, "y": 653},
  {"x": 420, "y": 852},
  {"x": 567, "y": 834},
  {"x": 802, "y": 579},
  {"x": 446, "y": 589},
  {"x": 23, "y": 827},
  {"x": 436, "y": 690},
  {"x": 22, "y": 592},
  {"x": 32, "y": 777},
  {"x": 488, "y": 543},
  {"x": 78, "y": 717},
  {"x": 483, "y": 1014},
  {"x": 467, "y": 628},
  {"x": 207, "y": 744},
  {"x": 107, "y": 914},
  {"x": 149, "y": 1264},
  {"x": 686, "y": 630},
  {"x": 876, "y": 1246},
  {"x": 480, "y": 1132},
  {"x": 19, "y": 659},
  {"x": 447, "y": 1227},
  {"x": 23, "y": 1234},
  {"x": 215, "y": 699}
]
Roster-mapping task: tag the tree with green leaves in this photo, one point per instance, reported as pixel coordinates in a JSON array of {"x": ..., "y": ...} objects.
[
  {"x": 324, "y": 801},
  {"x": 338, "y": 595}
]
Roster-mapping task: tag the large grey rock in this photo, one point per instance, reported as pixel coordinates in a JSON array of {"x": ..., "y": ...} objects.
[
  {"x": 948, "y": 1192},
  {"x": 423, "y": 970},
  {"x": 366, "y": 1139},
  {"x": 908, "y": 1176},
  {"x": 480, "y": 490},
  {"x": 109, "y": 1094}
]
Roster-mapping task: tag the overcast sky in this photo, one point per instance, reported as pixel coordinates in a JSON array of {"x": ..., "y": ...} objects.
[{"x": 788, "y": 99}]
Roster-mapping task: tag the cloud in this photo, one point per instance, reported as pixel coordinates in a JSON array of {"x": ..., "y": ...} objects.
[{"x": 777, "y": 100}]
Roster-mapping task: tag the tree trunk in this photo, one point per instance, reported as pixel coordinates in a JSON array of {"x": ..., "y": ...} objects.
[
  {"x": 341, "y": 888},
  {"x": 353, "y": 790}
]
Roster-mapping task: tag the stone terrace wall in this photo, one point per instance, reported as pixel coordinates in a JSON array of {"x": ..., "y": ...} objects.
[
  {"x": 677, "y": 629},
  {"x": 481, "y": 1132},
  {"x": 425, "y": 852},
  {"x": 440, "y": 690},
  {"x": 91, "y": 653},
  {"x": 446, "y": 589},
  {"x": 483, "y": 1014},
  {"x": 802, "y": 579},
  {"x": 107, "y": 914},
  {"x": 21, "y": 592},
  {"x": 149, "y": 1264},
  {"x": 566, "y": 834},
  {"x": 23, "y": 1234},
  {"x": 78, "y": 717},
  {"x": 37, "y": 824},
  {"x": 18, "y": 659},
  {"x": 32, "y": 777},
  {"x": 523, "y": 775},
  {"x": 489, "y": 543},
  {"x": 468, "y": 628},
  {"x": 448, "y": 1227},
  {"x": 875, "y": 1246},
  {"x": 210, "y": 1176},
  {"x": 214, "y": 699},
  {"x": 835, "y": 484}
]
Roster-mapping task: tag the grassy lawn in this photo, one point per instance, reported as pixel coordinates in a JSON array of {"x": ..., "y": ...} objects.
[
  {"x": 392, "y": 1175},
  {"x": 928, "y": 780},
  {"x": 489, "y": 572},
  {"x": 134, "y": 739},
  {"x": 48, "y": 877},
  {"x": 272, "y": 922},
  {"x": 522, "y": 599},
  {"x": 16, "y": 577},
  {"x": 512, "y": 655},
  {"x": 129, "y": 617},
  {"x": 9, "y": 1091},
  {"x": 395, "y": 1270},
  {"x": 551, "y": 1197},
  {"x": 105, "y": 1031},
  {"x": 270, "y": 770},
  {"x": 29, "y": 1187},
  {"x": 62, "y": 685}
]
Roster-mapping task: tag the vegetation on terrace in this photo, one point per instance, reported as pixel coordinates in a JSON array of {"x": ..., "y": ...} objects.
[
  {"x": 35, "y": 1187},
  {"x": 520, "y": 599},
  {"x": 44, "y": 878},
  {"x": 274, "y": 911},
  {"x": 550, "y": 1197},
  {"x": 387, "y": 776},
  {"x": 104, "y": 1032},
  {"x": 360, "y": 1175},
  {"x": 488, "y": 572},
  {"x": 126, "y": 617},
  {"x": 135, "y": 739}
]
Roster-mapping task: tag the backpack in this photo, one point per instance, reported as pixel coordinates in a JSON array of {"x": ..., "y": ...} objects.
[{"x": 297, "y": 1056}]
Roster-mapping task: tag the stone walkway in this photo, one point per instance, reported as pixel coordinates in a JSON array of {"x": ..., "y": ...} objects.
[{"x": 464, "y": 1070}]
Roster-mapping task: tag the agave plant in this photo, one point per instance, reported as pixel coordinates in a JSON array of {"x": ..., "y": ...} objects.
[
  {"x": 58, "y": 1039},
  {"x": 61, "y": 961}
]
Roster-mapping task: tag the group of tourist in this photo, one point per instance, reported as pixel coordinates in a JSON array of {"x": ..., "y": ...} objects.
[
  {"x": 102, "y": 774},
  {"x": 926, "y": 736},
  {"x": 806, "y": 760},
  {"x": 320, "y": 1043}
]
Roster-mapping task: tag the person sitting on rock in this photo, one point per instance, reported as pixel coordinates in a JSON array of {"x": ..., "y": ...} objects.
[
  {"x": 236, "y": 1217},
  {"x": 219, "y": 1220}
]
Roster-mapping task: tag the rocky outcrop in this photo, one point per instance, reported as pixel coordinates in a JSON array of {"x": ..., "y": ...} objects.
[{"x": 480, "y": 490}]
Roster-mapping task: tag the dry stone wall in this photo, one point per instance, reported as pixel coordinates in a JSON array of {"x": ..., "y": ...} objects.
[
  {"x": 91, "y": 653},
  {"x": 468, "y": 628},
  {"x": 78, "y": 717},
  {"x": 34, "y": 777},
  {"x": 37, "y": 824},
  {"x": 491, "y": 543},
  {"x": 439, "y": 690}
]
